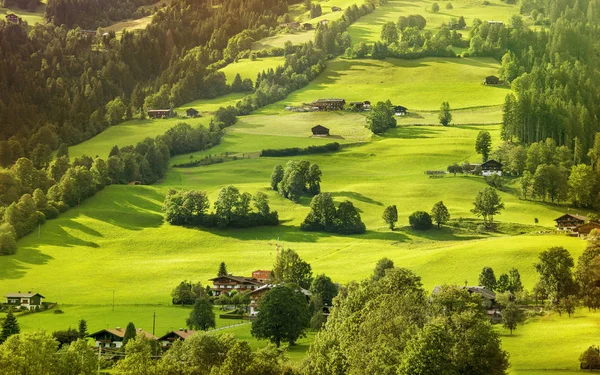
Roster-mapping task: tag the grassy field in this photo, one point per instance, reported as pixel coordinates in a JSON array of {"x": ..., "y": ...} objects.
[
  {"x": 416, "y": 84},
  {"x": 250, "y": 69},
  {"x": 368, "y": 28},
  {"x": 31, "y": 18}
]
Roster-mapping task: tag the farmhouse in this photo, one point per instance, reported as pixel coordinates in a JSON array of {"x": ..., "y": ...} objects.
[
  {"x": 113, "y": 338},
  {"x": 400, "y": 110},
  {"x": 329, "y": 104},
  {"x": 291, "y": 25},
  {"x": 182, "y": 334},
  {"x": 585, "y": 229},
  {"x": 161, "y": 113},
  {"x": 569, "y": 222},
  {"x": 336, "y": 9},
  {"x": 491, "y": 167},
  {"x": 307, "y": 26},
  {"x": 229, "y": 283},
  {"x": 324, "y": 22},
  {"x": 261, "y": 275},
  {"x": 192, "y": 112},
  {"x": 320, "y": 131},
  {"x": 359, "y": 106},
  {"x": 13, "y": 18},
  {"x": 258, "y": 294},
  {"x": 491, "y": 80},
  {"x": 28, "y": 300}
]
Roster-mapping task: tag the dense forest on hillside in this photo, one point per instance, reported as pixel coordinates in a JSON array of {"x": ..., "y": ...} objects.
[{"x": 89, "y": 14}]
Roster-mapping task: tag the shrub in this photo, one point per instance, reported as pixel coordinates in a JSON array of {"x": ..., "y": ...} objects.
[
  {"x": 449, "y": 6},
  {"x": 420, "y": 220},
  {"x": 58, "y": 311}
]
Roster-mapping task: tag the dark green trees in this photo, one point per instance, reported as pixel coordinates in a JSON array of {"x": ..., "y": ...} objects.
[
  {"x": 555, "y": 270},
  {"x": 381, "y": 118},
  {"x": 390, "y": 216},
  {"x": 487, "y": 278},
  {"x": 290, "y": 268},
  {"x": 483, "y": 144},
  {"x": 297, "y": 178},
  {"x": 130, "y": 333},
  {"x": 10, "y": 326},
  {"x": 202, "y": 316},
  {"x": 420, "y": 220},
  {"x": 440, "y": 214},
  {"x": 487, "y": 205},
  {"x": 445, "y": 116},
  {"x": 323, "y": 216},
  {"x": 283, "y": 315}
]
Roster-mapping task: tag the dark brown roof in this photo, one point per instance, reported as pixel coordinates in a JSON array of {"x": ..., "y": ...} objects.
[
  {"x": 120, "y": 332},
  {"x": 239, "y": 279},
  {"x": 578, "y": 217},
  {"x": 319, "y": 128},
  {"x": 23, "y": 295},
  {"x": 181, "y": 333},
  {"x": 330, "y": 101},
  {"x": 491, "y": 164}
]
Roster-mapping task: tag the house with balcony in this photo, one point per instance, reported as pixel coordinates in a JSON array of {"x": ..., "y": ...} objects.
[
  {"x": 229, "y": 283},
  {"x": 113, "y": 338},
  {"x": 29, "y": 300}
]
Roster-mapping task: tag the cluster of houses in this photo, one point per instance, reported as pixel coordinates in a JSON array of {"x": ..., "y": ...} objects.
[
  {"x": 168, "y": 113},
  {"x": 336, "y": 104},
  {"x": 574, "y": 224}
]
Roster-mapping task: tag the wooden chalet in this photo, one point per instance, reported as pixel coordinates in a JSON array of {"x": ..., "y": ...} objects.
[
  {"x": 329, "y": 104},
  {"x": 258, "y": 294},
  {"x": 113, "y": 338},
  {"x": 291, "y": 25},
  {"x": 324, "y": 22},
  {"x": 161, "y": 113},
  {"x": 12, "y": 18},
  {"x": 491, "y": 167},
  {"x": 584, "y": 230},
  {"x": 229, "y": 283},
  {"x": 569, "y": 222},
  {"x": 261, "y": 275},
  {"x": 320, "y": 131},
  {"x": 192, "y": 112},
  {"x": 400, "y": 110},
  {"x": 29, "y": 300},
  {"x": 182, "y": 334},
  {"x": 336, "y": 9},
  {"x": 491, "y": 80},
  {"x": 307, "y": 26}
]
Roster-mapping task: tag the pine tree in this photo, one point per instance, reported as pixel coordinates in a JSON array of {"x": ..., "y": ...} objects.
[
  {"x": 10, "y": 326},
  {"x": 130, "y": 333},
  {"x": 222, "y": 269},
  {"x": 82, "y": 331}
]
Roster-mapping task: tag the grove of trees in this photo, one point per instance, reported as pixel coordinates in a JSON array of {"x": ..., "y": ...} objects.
[{"x": 324, "y": 216}]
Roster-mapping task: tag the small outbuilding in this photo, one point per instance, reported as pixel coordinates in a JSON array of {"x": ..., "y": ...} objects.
[
  {"x": 491, "y": 80},
  {"x": 570, "y": 222},
  {"x": 12, "y": 18},
  {"x": 320, "y": 131},
  {"x": 307, "y": 26},
  {"x": 324, "y": 22},
  {"x": 357, "y": 106},
  {"x": 491, "y": 167},
  {"x": 336, "y": 9},
  {"x": 585, "y": 229},
  {"x": 291, "y": 25},
  {"x": 192, "y": 112},
  {"x": 400, "y": 110}
]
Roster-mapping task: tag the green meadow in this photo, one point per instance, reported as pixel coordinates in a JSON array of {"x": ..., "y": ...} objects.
[
  {"x": 31, "y": 18},
  {"x": 421, "y": 84},
  {"x": 250, "y": 68}
]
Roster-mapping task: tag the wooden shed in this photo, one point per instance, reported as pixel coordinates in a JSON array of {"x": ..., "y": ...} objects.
[
  {"x": 491, "y": 80},
  {"x": 320, "y": 131}
]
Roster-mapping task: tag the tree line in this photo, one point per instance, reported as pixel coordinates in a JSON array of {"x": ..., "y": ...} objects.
[
  {"x": 232, "y": 209},
  {"x": 30, "y": 195}
]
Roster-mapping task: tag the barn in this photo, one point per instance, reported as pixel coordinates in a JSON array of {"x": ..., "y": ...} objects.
[{"x": 320, "y": 131}]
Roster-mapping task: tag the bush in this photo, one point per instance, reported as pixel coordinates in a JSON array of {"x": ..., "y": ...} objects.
[
  {"x": 293, "y": 151},
  {"x": 449, "y": 6},
  {"x": 420, "y": 220},
  {"x": 58, "y": 311},
  {"x": 495, "y": 181}
]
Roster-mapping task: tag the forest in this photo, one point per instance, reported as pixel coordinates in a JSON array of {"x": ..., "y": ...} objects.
[{"x": 90, "y": 14}]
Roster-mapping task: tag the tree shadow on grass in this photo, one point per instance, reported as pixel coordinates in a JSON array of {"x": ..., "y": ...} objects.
[
  {"x": 16, "y": 266},
  {"x": 411, "y": 132},
  {"x": 356, "y": 196},
  {"x": 441, "y": 234}
]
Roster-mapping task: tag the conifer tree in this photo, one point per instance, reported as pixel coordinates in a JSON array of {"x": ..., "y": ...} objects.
[{"x": 10, "y": 326}]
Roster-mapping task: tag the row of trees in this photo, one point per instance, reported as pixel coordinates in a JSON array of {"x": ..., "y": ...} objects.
[
  {"x": 297, "y": 178},
  {"x": 90, "y": 14},
  {"x": 510, "y": 282},
  {"x": 29, "y": 196},
  {"x": 232, "y": 209}
]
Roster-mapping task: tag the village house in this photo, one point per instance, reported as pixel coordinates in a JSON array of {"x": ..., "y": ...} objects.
[
  {"x": 113, "y": 338},
  {"x": 357, "y": 106},
  {"x": 29, "y": 300},
  {"x": 192, "y": 112},
  {"x": 229, "y": 283},
  {"x": 182, "y": 334},
  {"x": 491, "y": 167},
  {"x": 307, "y": 26},
  {"x": 491, "y": 80},
  {"x": 261, "y": 275},
  {"x": 329, "y": 104},
  {"x": 291, "y": 25},
  {"x": 161, "y": 113},
  {"x": 258, "y": 294},
  {"x": 320, "y": 131},
  {"x": 569, "y": 222},
  {"x": 584, "y": 230},
  {"x": 12, "y": 18},
  {"x": 400, "y": 110}
]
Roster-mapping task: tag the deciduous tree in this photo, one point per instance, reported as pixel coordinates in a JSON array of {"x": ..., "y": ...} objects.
[
  {"x": 440, "y": 213},
  {"x": 487, "y": 204},
  {"x": 445, "y": 116},
  {"x": 390, "y": 216},
  {"x": 202, "y": 316}
]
